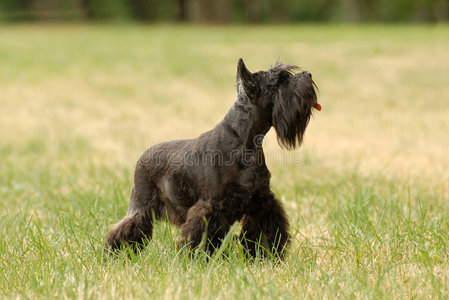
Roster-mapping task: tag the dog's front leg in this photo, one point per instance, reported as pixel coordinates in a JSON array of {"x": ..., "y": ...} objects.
[{"x": 265, "y": 226}]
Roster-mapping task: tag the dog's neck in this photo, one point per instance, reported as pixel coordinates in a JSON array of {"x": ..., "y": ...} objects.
[{"x": 247, "y": 123}]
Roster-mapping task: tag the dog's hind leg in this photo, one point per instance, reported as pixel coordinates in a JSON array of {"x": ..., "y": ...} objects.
[
  {"x": 203, "y": 219},
  {"x": 265, "y": 226},
  {"x": 138, "y": 222}
]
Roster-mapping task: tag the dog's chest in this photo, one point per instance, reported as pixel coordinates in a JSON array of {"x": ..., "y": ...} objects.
[{"x": 253, "y": 178}]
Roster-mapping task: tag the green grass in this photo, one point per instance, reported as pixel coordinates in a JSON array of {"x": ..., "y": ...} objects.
[{"x": 367, "y": 195}]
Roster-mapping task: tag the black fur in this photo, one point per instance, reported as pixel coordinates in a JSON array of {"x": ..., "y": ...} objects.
[{"x": 221, "y": 176}]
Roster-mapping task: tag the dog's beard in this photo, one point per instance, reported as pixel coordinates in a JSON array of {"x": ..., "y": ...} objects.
[{"x": 292, "y": 110}]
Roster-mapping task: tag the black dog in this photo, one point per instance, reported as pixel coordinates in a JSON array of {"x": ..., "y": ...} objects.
[{"x": 206, "y": 184}]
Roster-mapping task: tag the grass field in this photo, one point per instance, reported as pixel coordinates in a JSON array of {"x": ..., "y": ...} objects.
[{"x": 367, "y": 195}]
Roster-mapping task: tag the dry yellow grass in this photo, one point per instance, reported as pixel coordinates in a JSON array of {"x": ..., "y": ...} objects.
[{"x": 384, "y": 94}]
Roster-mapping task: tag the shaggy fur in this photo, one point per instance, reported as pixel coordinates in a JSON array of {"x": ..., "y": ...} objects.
[{"x": 204, "y": 185}]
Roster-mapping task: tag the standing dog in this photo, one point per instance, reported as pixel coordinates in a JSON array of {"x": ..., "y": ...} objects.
[{"x": 206, "y": 184}]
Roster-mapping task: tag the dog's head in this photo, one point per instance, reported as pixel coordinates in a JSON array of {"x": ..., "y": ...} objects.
[{"x": 284, "y": 98}]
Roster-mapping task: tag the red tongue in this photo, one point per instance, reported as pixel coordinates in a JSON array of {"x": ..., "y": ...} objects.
[{"x": 317, "y": 107}]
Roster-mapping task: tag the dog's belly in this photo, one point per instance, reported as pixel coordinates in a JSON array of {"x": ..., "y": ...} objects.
[{"x": 175, "y": 190}]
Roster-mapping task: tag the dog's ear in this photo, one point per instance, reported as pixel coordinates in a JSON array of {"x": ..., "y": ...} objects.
[{"x": 246, "y": 78}]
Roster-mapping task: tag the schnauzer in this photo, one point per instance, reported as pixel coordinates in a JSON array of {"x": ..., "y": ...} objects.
[{"x": 204, "y": 185}]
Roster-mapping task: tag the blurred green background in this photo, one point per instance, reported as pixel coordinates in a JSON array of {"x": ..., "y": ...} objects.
[{"x": 226, "y": 11}]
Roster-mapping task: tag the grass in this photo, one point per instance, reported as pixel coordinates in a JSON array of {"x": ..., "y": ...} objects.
[{"x": 367, "y": 195}]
